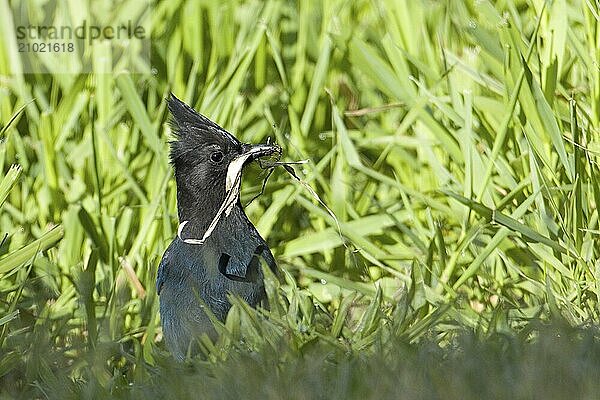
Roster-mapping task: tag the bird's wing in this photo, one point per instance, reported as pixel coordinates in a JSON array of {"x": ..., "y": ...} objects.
[{"x": 246, "y": 269}]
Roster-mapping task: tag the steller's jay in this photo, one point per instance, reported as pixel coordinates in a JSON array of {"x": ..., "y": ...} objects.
[{"x": 206, "y": 262}]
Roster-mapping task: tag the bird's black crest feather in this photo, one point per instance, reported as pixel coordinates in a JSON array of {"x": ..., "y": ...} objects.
[
  {"x": 189, "y": 126},
  {"x": 185, "y": 117}
]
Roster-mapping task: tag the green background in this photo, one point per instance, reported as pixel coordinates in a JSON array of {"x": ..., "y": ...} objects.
[{"x": 455, "y": 141}]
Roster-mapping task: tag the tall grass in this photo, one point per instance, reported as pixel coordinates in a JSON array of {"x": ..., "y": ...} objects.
[{"x": 456, "y": 143}]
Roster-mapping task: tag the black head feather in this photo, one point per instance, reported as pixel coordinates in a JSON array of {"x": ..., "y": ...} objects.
[
  {"x": 200, "y": 156},
  {"x": 185, "y": 117},
  {"x": 194, "y": 130}
]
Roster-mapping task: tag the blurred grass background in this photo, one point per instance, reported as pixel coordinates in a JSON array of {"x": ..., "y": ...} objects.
[{"x": 456, "y": 142}]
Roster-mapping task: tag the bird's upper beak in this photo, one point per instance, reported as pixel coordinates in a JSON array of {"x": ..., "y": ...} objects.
[{"x": 253, "y": 152}]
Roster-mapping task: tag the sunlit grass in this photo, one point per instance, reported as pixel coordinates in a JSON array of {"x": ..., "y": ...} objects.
[{"x": 456, "y": 143}]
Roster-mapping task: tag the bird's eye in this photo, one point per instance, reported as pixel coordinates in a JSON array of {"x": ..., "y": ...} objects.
[{"x": 216, "y": 156}]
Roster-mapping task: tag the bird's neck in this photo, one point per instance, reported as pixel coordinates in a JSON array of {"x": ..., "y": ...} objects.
[{"x": 199, "y": 204}]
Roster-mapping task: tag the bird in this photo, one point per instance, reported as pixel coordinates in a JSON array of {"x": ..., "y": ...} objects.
[{"x": 217, "y": 250}]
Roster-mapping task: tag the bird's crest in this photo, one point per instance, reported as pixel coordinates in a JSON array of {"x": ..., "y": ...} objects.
[{"x": 193, "y": 129}]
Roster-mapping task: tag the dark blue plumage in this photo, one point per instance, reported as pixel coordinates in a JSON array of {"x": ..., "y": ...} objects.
[{"x": 192, "y": 276}]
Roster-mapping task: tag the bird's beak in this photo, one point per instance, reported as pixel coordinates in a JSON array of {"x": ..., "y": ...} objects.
[
  {"x": 253, "y": 152},
  {"x": 249, "y": 153}
]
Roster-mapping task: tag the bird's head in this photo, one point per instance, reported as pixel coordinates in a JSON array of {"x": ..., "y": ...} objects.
[{"x": 201, "y": 156}]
